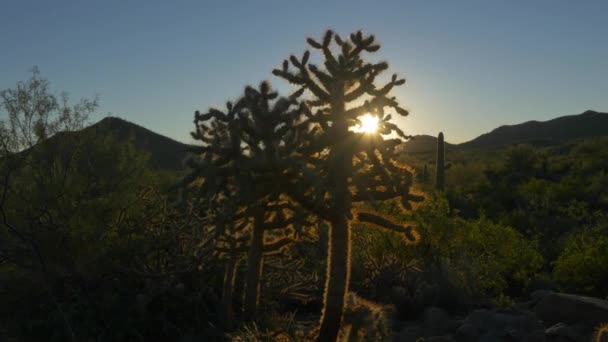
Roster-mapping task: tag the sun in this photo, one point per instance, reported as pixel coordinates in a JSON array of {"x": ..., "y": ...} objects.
[{"x": 369, "y": 124}]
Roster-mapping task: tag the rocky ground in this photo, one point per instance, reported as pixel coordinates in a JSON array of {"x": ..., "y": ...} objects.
[{"x": 545, "y": 316}]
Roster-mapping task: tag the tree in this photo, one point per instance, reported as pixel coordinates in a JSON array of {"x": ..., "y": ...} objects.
[
  {"x": 35, "y": 114},
  {"x": 335, "y": 167},
  {"x": 64, "y": 193}
]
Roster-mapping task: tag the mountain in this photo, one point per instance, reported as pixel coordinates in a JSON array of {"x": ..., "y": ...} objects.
[
  {"x": 555, "y": 131},
  {"x": 585, "y": 125},
  {"x": 165, "y": 153},
  {"x": 422, "y": 144}
]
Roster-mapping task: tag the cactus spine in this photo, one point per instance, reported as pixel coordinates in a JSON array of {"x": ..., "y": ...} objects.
[{"x": 440, "y": 165}]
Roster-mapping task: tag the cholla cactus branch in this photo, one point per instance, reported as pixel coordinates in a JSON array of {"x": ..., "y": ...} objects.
[{"x": 335, "y": 166}]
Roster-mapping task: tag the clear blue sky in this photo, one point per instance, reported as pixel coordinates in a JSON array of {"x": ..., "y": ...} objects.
[{"x": 471, "y": 65}]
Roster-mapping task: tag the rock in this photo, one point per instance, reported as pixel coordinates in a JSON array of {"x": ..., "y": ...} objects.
[
  {"x": 537, "y": 295},
  {"x": 443, "y": 338},
  {"x": 500, "y": 325},
  {"x": 467, "y": 332},
  {"x": 409, "y": 334},
  {"x": 435, "y": 318},
  {"x": 570, "y": 309},
  {"x": 561, "y": 332},
  {"x": 524, "y": 306},
  {"x": 434, "y": 324}
]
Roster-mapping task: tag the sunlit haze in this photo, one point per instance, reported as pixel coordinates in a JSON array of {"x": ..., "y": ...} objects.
[{"x": 369, "y": 124}]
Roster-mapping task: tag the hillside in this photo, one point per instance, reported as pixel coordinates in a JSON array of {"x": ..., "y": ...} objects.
[
  {"x": 164, "y": 153},
  {"x": 539, "y": 133},
  {"x": 422, "y": 144},
  {"x": 587, "y": 124},
  {"x": 167, "y": 154}
]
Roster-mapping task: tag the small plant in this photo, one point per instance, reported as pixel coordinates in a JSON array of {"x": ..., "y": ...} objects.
[
  {"x": 364, "y": 321},
  {"x": 503, "y": 301}
]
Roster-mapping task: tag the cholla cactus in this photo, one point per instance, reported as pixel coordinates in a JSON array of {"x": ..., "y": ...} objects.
[
  {"x": 601, "y": 333},
  {"x": 334, "y": 166},
  {"x": 243, "y": 154}
]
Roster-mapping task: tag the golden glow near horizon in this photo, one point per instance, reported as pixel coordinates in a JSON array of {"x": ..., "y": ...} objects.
[{"x": 369, "y": 124}]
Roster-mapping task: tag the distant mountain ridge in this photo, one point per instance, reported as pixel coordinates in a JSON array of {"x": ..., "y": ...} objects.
[
  {"x": 554, "y": 131},
  {"x": 168, "y": 154},
  {"x": 423, "y": 143},
  {"x": 165, "y": 153}
]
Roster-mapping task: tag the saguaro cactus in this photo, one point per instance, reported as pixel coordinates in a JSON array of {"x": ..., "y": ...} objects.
[
  {"x": 440, "y": 165},
  {"x": 334, "y": 166}
]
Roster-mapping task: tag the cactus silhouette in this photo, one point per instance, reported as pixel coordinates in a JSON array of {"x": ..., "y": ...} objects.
[
  {"x": 440, "y": 165},
  {"x": 243, "y": 154},
  {"x": 335, "y": 167}
]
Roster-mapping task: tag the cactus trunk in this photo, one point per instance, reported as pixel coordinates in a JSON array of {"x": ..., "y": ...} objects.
[
  {"x": 254, "y": 269},
  {"x": 338, "y": 263},
  {"x": 440, "y": 174},
  {"x": 336, "y": 287},
  {"x": 226, "y": 314}
]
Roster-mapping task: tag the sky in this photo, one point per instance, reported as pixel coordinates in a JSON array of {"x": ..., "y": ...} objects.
[{"x": 470, "y": 66}]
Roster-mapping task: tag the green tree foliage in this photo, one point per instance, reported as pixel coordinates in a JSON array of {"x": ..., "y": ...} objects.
[
  {"x": 89, "y": 249},
  {"x": 335, "y": 166},
  {"x": 35, "y": 114}
]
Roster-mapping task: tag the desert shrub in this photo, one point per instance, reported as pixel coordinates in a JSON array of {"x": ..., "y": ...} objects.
[
  {"x": 583, "y": 264},
  {"x": 290, "y": 282},
  {"x": 482, "y": 257},
  {"x": 381, "y": 261},
  {"x": 109, "y": 258}
]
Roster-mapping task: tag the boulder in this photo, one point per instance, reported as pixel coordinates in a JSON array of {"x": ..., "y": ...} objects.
[
  {"x": 409, "y": 334},
  {"x": 443, "y": 338},
  {"x": 537, "y": 295},
  {"x": 436, "y": 318},
  {"x": 562, "y": 332},
  {"x": 435, "y": 324},
  {"x": 570, "y": 309},
  {"x": 467, "y": 332},
  {"x": 500, "y": 325}
]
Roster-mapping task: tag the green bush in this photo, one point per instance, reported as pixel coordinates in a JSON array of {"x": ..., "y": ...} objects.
[
  {"x": 583, "y": 264},
  {"x": 480, "y": 256}
]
